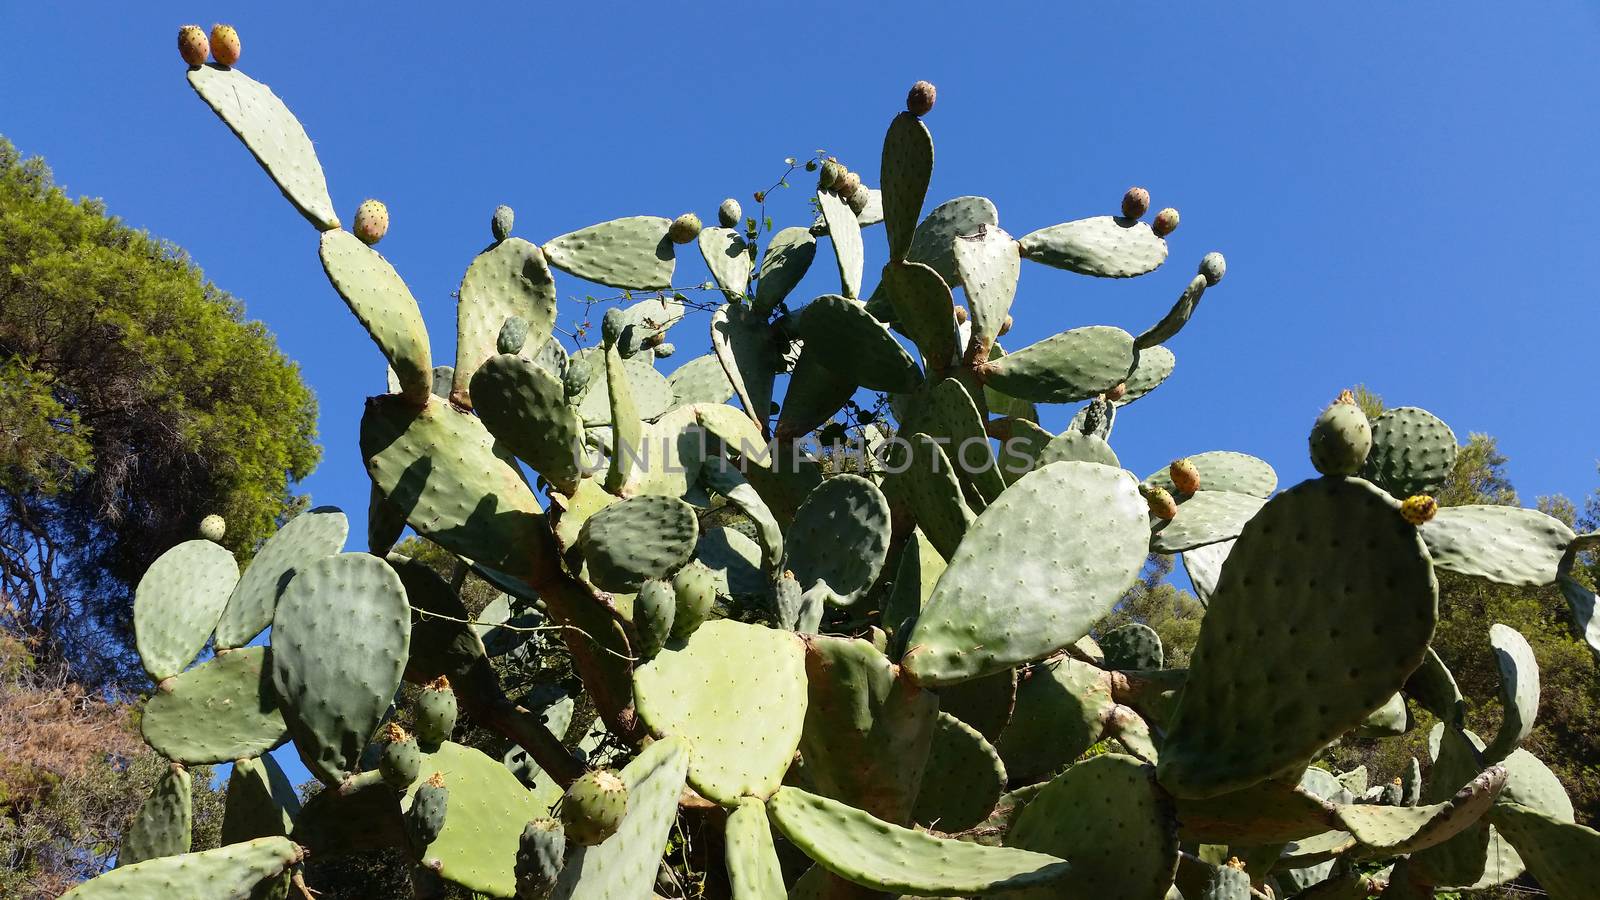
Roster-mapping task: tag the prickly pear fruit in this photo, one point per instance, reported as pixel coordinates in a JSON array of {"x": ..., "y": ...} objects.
[
  {"x": 213, "y": 527},
  {"x": 401, "y": 760},
  {"x": 846, "y": 183},
  {"x": 920, "y": 99},
  {"x": 225, "y": 44},
  {"x": 1162, "y": 506},
  {"x": 684, "y": 228},
  {"x": 425, "y": 818},
  {"x": 961, "y": 314},
  {"x": 695, "y": 588},
  {"x": 539, "y": 858},
  {"x": 665, "y": 350},
  {"x": 1212, "y": 266},
  {"x": 1166, "y": 222},
  {"x": 1004, "y": 327},
  {"x": 436, "y": 712},
  {"x": 1185, "y": 477},
  {"x": 372, "y": 221},
  {"x": 580, "y": 371},
  {"x": 653, "y": 611},
  {"x": 500, "y": 225},
  {"x": 1135, "y": 203},
  {"x": 831, "y": 170},
  {"x": 858, "y": 198},
  {"x": 1419, "y": 508},
  {"x": 1118, "y": 392},
  {"x": 1341, "y": 438},
  {"x": 729, "y": 213},
  {"x": 611, "y": 326},
  {"x": 1095, "y": 415},
  {"x": 594, "y": 806},
  {"x": 192, "y": 45},
  {"x": 513, "y": 335}
]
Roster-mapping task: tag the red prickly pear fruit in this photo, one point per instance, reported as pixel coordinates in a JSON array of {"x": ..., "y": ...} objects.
[
  {"x": 372, "y": 222},
  {"x": 192, "y": 45},
  {"x": 1135, "y": 203},
  {"x": 1419, "y": 508},
  {"x": 1185, "y": 477},
  {"x": 684, "y": 229},
  {"x": 225, "y": 44},
  {"x": 919, "y": 101},
  {"x": 1166, "y": 222},
  {"x": 1118, "y": 392}
]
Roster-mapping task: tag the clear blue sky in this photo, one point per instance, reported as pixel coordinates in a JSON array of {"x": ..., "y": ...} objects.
[{"x": 1405, "y": 192}]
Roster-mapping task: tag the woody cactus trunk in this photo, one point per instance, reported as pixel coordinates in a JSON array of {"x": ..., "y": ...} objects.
[{"x": 887, "y": 671}]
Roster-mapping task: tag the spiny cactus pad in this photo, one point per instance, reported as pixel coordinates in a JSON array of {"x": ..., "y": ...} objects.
[
  {"x": 753, "y": 868},
  {"x": 788, "y": 256},
  {"x": 1519, "y": 690},
  {"x": 302, "y": 540},
  {"x": 1073, "y": 365},
  {"x": 700, "y": 380},
  {"x": 839, "y": 538},
  {"x": 1075, "y": 445},
  {"x": 261, "y": 801},
  {"x": 640, "y": 538},
  {"x": 1061, "y": 710},
  {"x": 178, "y": 602},
  {"x": 163, "y": 824},
  {"x": 219, "y": 711},
  {"x": 632, "y": 253},
  {"x": 848, "y": 340},
  {"x": 233, "y": 871},
  {"x": 1412, "y": 452},
  {"x": 933, "y": 243},
  {"x": 1033, "y": 574},
  {"x": 728, "y": 257},
  {"x": 525, "y": 407},
  {"x": 1177, "y": 317},
  {"x": 1132, "y": 646},
  {"x": 1503, "y": 544},
  {"x": 907, "y": 166},
  {"x": 1207, "y": 517},
  {"x": 924, "y": 309},
  {"x": 868, "y": 851},
  {"x": 989, "y": 267},
  {"x": 1322, "y": 539},
  {"x": 1104, "y": 246},
  {"x": 1225, "y": 470},
  {"x": 947, "y": 414},
  {"x": 963, "y": 778},
  {"x": 1271, "y": 812},
  {"x": 928, "y": 487},
  {"x": 746, "y": 347},
  {"x": 339, "y": 638},
  {"x": 1408, "y": 829},
  {"x": 736, "y": 694},
  {"x": 509, "y": 279},
  {"x": 845, "y": 233},
  {"x": 379, "y": 298},
  {"x": 625, "y": 864}
]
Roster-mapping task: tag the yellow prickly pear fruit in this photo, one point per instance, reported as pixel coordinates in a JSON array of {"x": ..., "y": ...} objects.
[
  {"x": 684, "y": 229},
  {"x": 1162, "y": 506},
  {"x": 192, "y": 45},
  {"x": 1166, "y": 222},
  {"x": 1135, "y": 203},
  {"x": 225, "y": 44},
  {"x": 1419, "y": 508},
  {"x": 1341, "y": 438},
  {"x": 919, "y": 101},
  {"x": 1185, "y": 477},
  {"x": 372, "y": 221},
  {"x": 594, "y": 806}
]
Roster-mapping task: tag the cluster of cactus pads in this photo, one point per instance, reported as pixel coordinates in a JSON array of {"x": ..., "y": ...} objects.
[{"x": 889, "y": 672}]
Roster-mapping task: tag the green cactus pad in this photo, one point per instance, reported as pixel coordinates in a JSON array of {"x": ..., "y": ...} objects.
[
  {"x": 989, "y": 267},
  {"x": 162, "y": 826},
  {"x": 339, "y": 643},
  {"x": 788, "y": 257},
  {"x": 261, "y": 801},
  {"x": 1564, "y": 856},
  {"x": 1204, "y": 565},
  {"x": 839, "y": 538},
  {"x": 1207, "y": 517},
  {"x": 1061, "y": 710},
  {"x": 915, "y": 573},
  {"x": 848, "y": 340},
  {"x": 1228, "y": 883},
  {"x": 1020, "y": 450},
  {"x": 929, "y": 489},
  {"x": 906, "y": 167},
  {"x": 468, "y": 500},
  {"x": 815, "y": 393},
  {"x": 868, "y": 851},
  {"x": 1390, "y": 720},
  {"x": 1519, "y": 691},
  {"x": 1151, "y": 367},
  {"x": 272, "y": 135},
  {"x": 933, "y": 243},
  {"x": 178, "y": 602},
  {"x": 752, "y": 859},
  {"x": 1503, "y": 544},
  {"x": 1104, "y": 246},
  {"x": 747, "y": 348},
  {"x": 304, "y": 539},
  {"x": 488, "y": 807},
  {"x": 924, "y": 309},
  {"x": 728, "y": 257},
  {"x": 509, "y": 279},
  {"x": 962, "y": 781},
  {"x": 232, "y": 872},
  {"x": 734, "y": 560},
  {"x": 724, "y": 478},
  {"x": 1073, "y": 365},
  {"x": 626, "y": 427},
  {"x": 1034, "y": 572},
  {"x": 379, "y": 298},
  {"x": 1075, "y": 445},
  {"x": 1133, "y": 646},
  {"x": 1225, "y": 470},
  {"x": 1176, "y": 317},
  {"x": 984, "y": 703},
  {"x": 1108, "y": 819},
  {"x": 526, "y": 410},
  {"x": 646, "y": 320},
  {"x": 1326, "y": 538},
  {"x": 1388, "y": 830},
  {"x": 736, "y": 693},
  {"x": 219, "y": 711},
  {"x": 1272, "y": 812},
  {"x": 625, "y": 864},
  {"x": 1585, "y": 612},
  {"x": 867, "y": 732},
  {"x": 1412, "y": 452},
  {"x": 700, "y": 380},
  {"x": 645, "y": 537},
  {"x": 845, "y": 232},
  {"x": 1466, "y": 857},
  {"x": 947, "y": 414},
  {"x": 1434, "y": 689},
  {"x": 633, "y": 253}
]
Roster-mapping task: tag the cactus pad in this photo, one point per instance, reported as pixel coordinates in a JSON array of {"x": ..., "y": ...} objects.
[
  {"x": 839, "y": 538},
  {"x": 963, "y": 779},
  {"x": 304, "y": 539},
  {"x": 906, "y": 167},
  {"x": 700, "y": 380},
  {"x": 788, "y": 257},
  {"x": 929, "y": 489},
  {"x": 508, "y": 279},
  {"x": 219, "y": 711},
  {"x": 1104, "y": 246},
  {"x": 1034, "y": 572},
  {"x": 339, "y": 641},
  {"x": 1412, "y": 452},
  {"x": 1519, "y": 690},
  {"x": 164, "y": 822},
  {"x": 1061, "y": 710},
  {"x": 736, "y": 693},
  {"x": 640, "y": 538},
  {"x": 1225, "y": 470},
  {"x": 1075, "y": 445},
  {"x": 1388, "y": 830},
  {"x": 868, "y": 851},
  {"x": 178, "y": 602},
  {"x": 845, "y": 232},
  {"x": 1073, "y": 365},
  {"x": 633, "y": 254},
  {"x": 261, "y": 801},
  {"x": 1207, "y": 517},
  {"x": 379, "y": 298},
  {"x": 924, "y": 309},
  {"x": 989, "y": 266},
  {"x": 1271, "y": 812},
  {"x": 1320, "y": 540},
  {"x": 625, "y": 864},
  {"x": 233, "y": 871},
  {"x": 1503, "y": 544},
  {"x": 933, "y": 243},
  {"x": 848, "y": 340},
  {"x": 752, "y": 858},
  {"x": 526, "y": 410},
  {"x": 1133, "y": 646},
  {"x": 1204, "y": 565},
  {"x": 1176, "y": 317},
  {"x": 272, "y": 135},
  {"x": 1151, "y": 367},
  {"x": 728, "y": 257},
  {"x": 948, "y": 415},
  {"x": 747, "y": 348},
  {"x": 488, "y": 808}
]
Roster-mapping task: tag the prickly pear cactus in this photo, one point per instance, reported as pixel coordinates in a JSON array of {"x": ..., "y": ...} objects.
[{"x": 850, "y": 661}]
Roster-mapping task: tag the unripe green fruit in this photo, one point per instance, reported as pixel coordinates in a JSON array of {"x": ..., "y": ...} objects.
[
  {"x": 1341, "y": 438},
  {"x": 500, "y": 225},
  {"x": 594, "y": 806},
  {"x": 695, "y": 587},
  {"x": 436, "y": 712},
  {"x": 653, "y": 611},
  {"x": 665, "y": 350},
  {"x": 213, "y": 527},
  {"x": 919, "y": 101},
  {"x": 1212, "y": 266},
  {"x": 830, "y": 173},
  {"x": 1166, "y": 222},
  {"x": 372, "y": 222},
  {"x": 401, "y": 761},
  {"x": 611, "y": 326},
  {"x": 425, "y": 818},
  {"x": 225, "y": 47},
  {"x": 192, "y": 45},
  {"x": 580, "y": 371},
  {"x": 513, "y": 335},
  {"x": 730, "y": 213},
  {"x": 1096, "y": 415},
  {"x": 1135, "y": 203},
  {"x": 684, "y": 228},
  {"x": 540, "y": 856}
]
